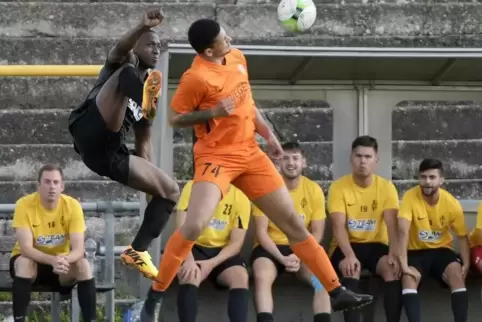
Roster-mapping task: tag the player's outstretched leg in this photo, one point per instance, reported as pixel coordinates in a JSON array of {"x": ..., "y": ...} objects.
[
  {"x": 141, "y": 175},
  {"x": 278, "y": 206},
  {"x": 205, "y": 197}
]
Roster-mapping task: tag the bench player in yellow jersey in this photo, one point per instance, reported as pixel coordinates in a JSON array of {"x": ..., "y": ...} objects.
[
  {"x": 475, "y": 240},
  {"x": 49, "y": 229},
  {"x": 272, "y": 254},
  {"x": 427, "y": 216},
  {"x": 215, "y": 256},
  {"x": 363, "y": 208}
]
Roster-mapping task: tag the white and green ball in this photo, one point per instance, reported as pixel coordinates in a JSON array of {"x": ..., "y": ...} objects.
[{"x": 297, "y": 15}]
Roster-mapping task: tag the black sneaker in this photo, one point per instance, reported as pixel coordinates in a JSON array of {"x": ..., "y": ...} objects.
[
  {"x": 152, "y": 302},
  {"x": 348, "y": 300}
]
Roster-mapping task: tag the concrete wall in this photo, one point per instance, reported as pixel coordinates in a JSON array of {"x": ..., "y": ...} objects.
[{"x": 33, "y": 111}]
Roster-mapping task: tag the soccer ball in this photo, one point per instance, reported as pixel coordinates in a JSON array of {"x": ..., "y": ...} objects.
[{"x": 297, "y": 15}]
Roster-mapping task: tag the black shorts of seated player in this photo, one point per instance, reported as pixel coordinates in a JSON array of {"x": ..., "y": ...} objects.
[{"x": 114, "y": 105}]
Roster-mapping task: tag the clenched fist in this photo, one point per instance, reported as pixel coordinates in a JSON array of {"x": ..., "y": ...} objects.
[{"x": 152, "y": 18}]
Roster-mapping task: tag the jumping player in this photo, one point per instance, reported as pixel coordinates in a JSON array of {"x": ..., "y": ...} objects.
[
  {"x": 214, "y": 96},
  {"x": 124, "y": 96}
]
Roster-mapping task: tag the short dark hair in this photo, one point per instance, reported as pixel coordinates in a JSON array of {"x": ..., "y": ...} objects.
[
  {"x": 292, "y": 146},
  {"x": 50, "y": 167},
  {"x": 365, "y": 141},
  {"x": 202, "y": 34},
  {"x": 431, "y": 164}
]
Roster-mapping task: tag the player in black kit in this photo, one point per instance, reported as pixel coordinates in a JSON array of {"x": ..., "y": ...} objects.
[{"x": 124, "y": 96}]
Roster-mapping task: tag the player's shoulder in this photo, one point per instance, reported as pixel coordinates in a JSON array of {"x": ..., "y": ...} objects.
[
  {"x": 70, "y": 202},
  {"x": 412, "y": 194},
  {"x": 309, "y": 184},
  {"x": 383, "y": 183},
  {"x": 448, "y": 197},
  {"x": 342, "y": 182},
  {"x": 236, "y": 53},
  {"x": 27, "y": 201}
]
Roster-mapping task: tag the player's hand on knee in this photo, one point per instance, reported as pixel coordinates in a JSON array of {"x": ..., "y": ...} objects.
[
  {"x": 291, "y": 264},
  {"x": 152, "y": 18},
  {"x": 224, "y": 107},
  {"x": 60, "y": 265},
  {"x": 413, "y": 272},
  {"x": 350, "y": 266},
  {"x": 189, "y": 271},
  {"x": 206, "y": 268}
]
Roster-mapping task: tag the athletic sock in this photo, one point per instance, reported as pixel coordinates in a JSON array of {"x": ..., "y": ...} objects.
[
  {"x": 264, "y": 317},
  {"x": 411, "y": 302},
  {"x": 187, "y": 302},
  {"x": 130, "y": 84},
  {"x": 352, "y": 315},
  {"x": 156, "y": 216},
  {"x": 177, "y": 250},
  {"x": 238, "y": 305},
  {"x": 21, "y": 289},
  {"x": 322, "y": 317},
  {"x": 315, "y": 257},
  {"x": 392, "y": 300},
  {"x": 87, "y": 299},
  {"x": 460, "y": 304}
]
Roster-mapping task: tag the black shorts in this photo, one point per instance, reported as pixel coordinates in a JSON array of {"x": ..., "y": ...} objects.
[
  {"x": 45, "y": 277},
  {"x": 368, "y": 254},
  {"x": 432, "y": 262},
  {"x": 259, "y": 251},
  {"x": 103, "y": 151},
  {"x": 204, "y": 253}
]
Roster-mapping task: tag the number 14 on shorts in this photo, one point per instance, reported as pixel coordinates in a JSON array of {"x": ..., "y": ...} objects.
[{"x": 213, "y": 169}]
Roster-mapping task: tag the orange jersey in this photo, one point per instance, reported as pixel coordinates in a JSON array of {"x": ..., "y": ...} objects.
[{"x": 203, "y": 85}]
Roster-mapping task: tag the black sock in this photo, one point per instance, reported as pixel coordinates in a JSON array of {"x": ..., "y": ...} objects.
[
  {"x": 264, "y": 317},
  {"x": 352, "y": 315},
  {"x": 392, "y": 300},
  {"x": 411, "y": 303},
  {"x": 187, "y": 303},
  {"x": 21, "y": 289},
  {"x": 322, "y": 317},
  {"x": 130, "y": 84},
  {"x": 156, "y": 216},
  {"x": 87, "y": 299},
  {"x": 460, "y": 305},
  {"x": 238, "y": 305}
]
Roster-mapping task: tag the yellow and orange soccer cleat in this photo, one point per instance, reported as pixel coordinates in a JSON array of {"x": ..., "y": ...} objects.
[
  {"x": 152, "y": 91},
  {"x": 142, "y": 261}
]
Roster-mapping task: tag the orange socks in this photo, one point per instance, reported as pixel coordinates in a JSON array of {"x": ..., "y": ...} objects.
[
  {"x": 315, "y": 257},
  {"x": 177, "y": 250}
]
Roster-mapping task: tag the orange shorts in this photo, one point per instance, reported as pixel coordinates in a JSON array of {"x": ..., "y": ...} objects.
[{"x": 251, "y": 171}]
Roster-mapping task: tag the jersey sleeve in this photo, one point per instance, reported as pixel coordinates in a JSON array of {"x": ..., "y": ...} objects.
[
  {"x": 336, "y": 202},
  {"x": 391, "y": 202},
  {"x": 189, "y": 93},
  {"x": 243, "y": 212},
  {"x": 183, "y": 201},
  {"x": 77, "y": 221},
  {"x": 20, "y": 217},
  {"x": 458, "y": 219},
  {"x": 318, "y": 202},
  {"x": 405, "y": 210},
  {"x": 478, "y": 224}
]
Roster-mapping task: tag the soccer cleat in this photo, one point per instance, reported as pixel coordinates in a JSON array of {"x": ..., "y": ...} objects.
[
  {"x": 141, "y": 261},
  {"x": 348, "y": 300},
  {"x": 151, "y": 93}
]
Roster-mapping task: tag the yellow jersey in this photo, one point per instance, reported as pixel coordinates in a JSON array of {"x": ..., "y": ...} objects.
[
  {"x": 363, "y": 208},
  {"x": 233, "y": 211},
  {"x": 50, "y": 228},
  {"x": 309, "y": 202},
  {"x": 430, "y": 225},
  {"x": 475, "y": 237}
]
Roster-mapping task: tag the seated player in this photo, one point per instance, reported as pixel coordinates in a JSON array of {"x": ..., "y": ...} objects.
[
  {"x": 475, "y": 239},
  {"x": 363, "y": 208},
  {"x": 124, "y": 97},
  {"x": 49, "y": 228},
  {"x": 272, "y": 255},
  {"x": 214, "y": 96},
  {"x": 215, "y": 256},
  {"x": 427, "y": 216}
]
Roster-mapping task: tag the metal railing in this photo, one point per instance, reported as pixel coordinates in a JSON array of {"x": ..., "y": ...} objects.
[{"x": 111, "y": 211}]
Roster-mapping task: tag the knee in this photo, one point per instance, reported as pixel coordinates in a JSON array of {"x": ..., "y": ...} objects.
[
  {"x": 191, "y": 229},
  {"x": 238, "y": 278},
  {"x": 82, "y": 270},
  {"x": 263, "y": 275},
  {"x": 173, "y": 192},
  {"x": 385, "y": 270},
  {"x": 25, "y": 267}
]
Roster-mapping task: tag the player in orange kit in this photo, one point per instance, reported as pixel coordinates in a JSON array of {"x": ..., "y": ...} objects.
[{"x": 214, "y": 96}]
